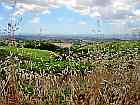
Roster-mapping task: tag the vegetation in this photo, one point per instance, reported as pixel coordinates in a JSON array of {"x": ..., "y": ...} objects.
[{"x": 100, "y": 73}]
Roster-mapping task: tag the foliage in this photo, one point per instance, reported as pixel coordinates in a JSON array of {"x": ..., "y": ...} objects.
[{"x": 104, "y": 73}]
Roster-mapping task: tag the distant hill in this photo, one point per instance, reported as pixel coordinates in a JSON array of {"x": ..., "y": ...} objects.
[{"x": 78, "y": 37}]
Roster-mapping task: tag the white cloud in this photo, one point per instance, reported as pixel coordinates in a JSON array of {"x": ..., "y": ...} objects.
[
  {"x": 105, "y": 9},
  {"x": 83, "y": 11},
  {"x": 7, "y": 6},
  {"x": 35, "y": 19},
  {"x": 135, "y": 30},
  {"x": 82, "y": 23},
  {"x": 95, "y": 14},
  {"x": 20, "y": 12},
  {"x": 119, "y": 5},
  {"x": 137, "y": 13},
  {"x": 118, "y": 12},
  {"x": 46, "y": 12}
]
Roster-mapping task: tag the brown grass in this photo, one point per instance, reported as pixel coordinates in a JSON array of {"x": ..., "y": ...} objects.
[{"x": 95, "y": 88}]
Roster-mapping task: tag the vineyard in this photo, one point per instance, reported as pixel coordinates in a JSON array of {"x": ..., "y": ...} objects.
[{"x": 41, "y": 73}]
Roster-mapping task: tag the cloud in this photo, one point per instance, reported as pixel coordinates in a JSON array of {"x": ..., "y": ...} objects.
[
  {"x": 46, "y": 12},
  {"x": 137, "y": 13},
  {"x": 35, "y": 19},
  {"x": 121, "y": 6},
  {"x": 6, "y": 6},
  {"x": 95, "y": 14},
  {"x": 105, "y": 9},
  {"x": 82, "y": 23},
  {"x": 135, "y": 30}
]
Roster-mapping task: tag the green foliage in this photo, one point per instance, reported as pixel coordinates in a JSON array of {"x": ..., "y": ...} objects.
[
  {"x": 3, "y": 53},
  {"x": 2, "y": 43},
  {"x": 27, "y": 89},
  {"x": 80, "y": 58},
  {"x": 112, "y": 70},
  {"x": 42, "y": 45}
]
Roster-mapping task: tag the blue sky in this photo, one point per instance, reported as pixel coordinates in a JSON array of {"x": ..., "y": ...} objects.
[{"x": 74, "y": 16}]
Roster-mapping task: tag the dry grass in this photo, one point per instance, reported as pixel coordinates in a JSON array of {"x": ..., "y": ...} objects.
[
  {"x": 95, "y": 88},
  {"x": 113, "y": 82}
]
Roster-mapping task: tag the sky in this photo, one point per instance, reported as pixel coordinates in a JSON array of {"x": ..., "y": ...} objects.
[{"x": 73, "y": 16}]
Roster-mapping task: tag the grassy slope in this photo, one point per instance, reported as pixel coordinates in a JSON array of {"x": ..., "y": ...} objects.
[
  {"x": 37, "y": 59},
  {"x": 31, "y": 53},
  {"x": 116, "y": 83},
  {"x": 43, "y": 60},
  {"x": 111, "y": 52}
]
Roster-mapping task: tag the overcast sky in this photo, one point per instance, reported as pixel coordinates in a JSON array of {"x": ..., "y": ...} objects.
[{"x": 74, "y": 16}]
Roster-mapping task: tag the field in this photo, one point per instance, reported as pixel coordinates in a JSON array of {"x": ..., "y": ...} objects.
[
  {"x": 99, "y": 73},
  {"x": 63, "y": 45}
]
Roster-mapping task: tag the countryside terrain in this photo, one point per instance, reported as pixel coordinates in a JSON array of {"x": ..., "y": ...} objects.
[{"x": 54, "y": 73}]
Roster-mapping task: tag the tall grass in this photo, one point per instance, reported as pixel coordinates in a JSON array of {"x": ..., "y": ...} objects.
[{"x": 115, "y": 79}]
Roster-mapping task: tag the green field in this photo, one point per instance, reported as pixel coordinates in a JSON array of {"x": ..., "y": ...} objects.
[
  {"x": 107, "y": 72},
  {"x": 31, "y": 53}
]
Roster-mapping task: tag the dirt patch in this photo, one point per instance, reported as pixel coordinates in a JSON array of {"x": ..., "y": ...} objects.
[{"x": 63, "y": 45}]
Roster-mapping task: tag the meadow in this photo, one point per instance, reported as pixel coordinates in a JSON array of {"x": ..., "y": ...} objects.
[{"x": 98, "y": 73}]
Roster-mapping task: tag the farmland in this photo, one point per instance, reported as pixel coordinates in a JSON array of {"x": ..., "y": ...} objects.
[{"x": 99, "y": 73}]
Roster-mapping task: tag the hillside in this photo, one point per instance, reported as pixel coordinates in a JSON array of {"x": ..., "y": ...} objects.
[{"x": 99, "y": 73}]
